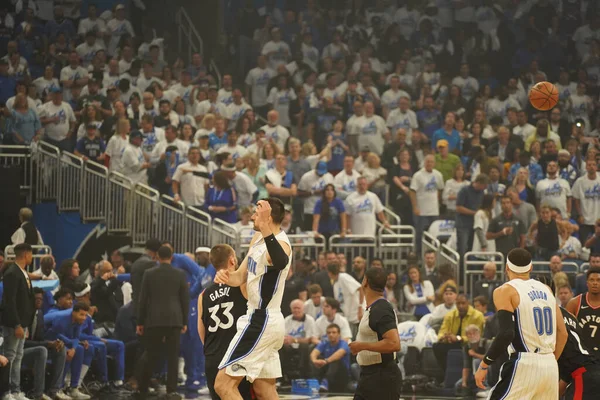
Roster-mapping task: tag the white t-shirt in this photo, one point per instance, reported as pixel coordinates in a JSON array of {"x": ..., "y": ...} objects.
[
  {"x": 57, "y": 131},
  {"x": 235, "y": 112},
  {"x": 371, "y": 132},
  {"x": 184, "y": 92},
  {"x": 117, "y": 29},
  {"x": 114, "y": 149},
  {"x": 482, "y": 222},
  {"x": 244, "y": 188},
  {"x": 182, "y": 148},
  {"x": 407, "y": 120},
  {"x": 71, "y": 74},
  {"x": 524, "y": 131},
  {"x": 390, "y": 98},
  {"x": 345, "y": 290},
  {"x": 452, "y": 187},
  {"x": 345, "y": 184},
  {"x": 278, "y": 133},
  {"x": 280, "y": 53},
  {"x": 281, "y": 100},
  {"x": 86, "y": 25},
  {"x": 225, "y": 96},
  {"x": 312, "y": 310},
  {"x": 191, "y": 187},
  {"x": 426, "y": 186},
  {"x": 310, "y": 181},
  {"x": 335, "y": 51},
  {"x": 352, "y": 125},
  {"x": 362, "y": 209},
  {"x": 131, "y": 164},
  {"x": 583, "y": 37},
  {"x": 258, "y": 79},
  {"x": 554, "y": 193},
  {"x": 44, "y": 85},
  {"x": 323, "y": 322},
  {"x": 440, "y": 311},
  {"x": 468, "y": 86},
  {"x": 587, "y": 191},
  {"x": 300, "y": 329},
  {"x": 203, "y": 108},
  {"x": 236, "y": 152},
  {"x": 87, "y": 52}
]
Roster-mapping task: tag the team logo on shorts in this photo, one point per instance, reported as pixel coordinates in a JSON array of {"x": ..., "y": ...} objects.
[{"x": 237, "y": 367}]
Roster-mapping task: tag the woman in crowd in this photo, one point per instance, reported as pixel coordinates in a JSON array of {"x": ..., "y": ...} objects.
[
  {"x": 309, "y": 152},
  {"x": 244, "y": 130},
  {"x": 400, "y": 177},
  {"x": 419, "y": 294},
  {"x": 569, "y": 245},
  {"x": 23, "y": 122},
  {"x": 88, "y": 116},
  {"x": 117, "y": 144},
  {"x": 375, "y": 175},
  {"x": 207, "y": 126},
  {"x": 68, "y": 274},
  {"x": 256, "y": 172},
  {"x": 474, "y": 140},
  {"x": 221, "y": 199},
  {"x": 479, "y": 118},
  {"x": 184, "y": 118},
  {"x": 481, "y": 223},
  {"x": 337, "y": 141},
  {"x": 168, "y": 78},
  {"x": 187, "y": 133},
  {"x": 536, "y": 152},
  {"x": 524, "y": 186},
  {"x": 329, "y": 216},
  {"x": 268, "y": 155},
  {"x": 451, "y": 189}
]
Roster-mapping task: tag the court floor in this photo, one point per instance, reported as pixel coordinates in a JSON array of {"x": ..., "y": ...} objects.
[{"x": 288, "y": 396}]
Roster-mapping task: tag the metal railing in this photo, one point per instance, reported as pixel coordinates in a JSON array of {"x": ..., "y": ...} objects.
[
  {"x": 119, "y": 200},
  {"x": 197, "y": 228},
  {"x": 225, "y": 233},
  {"x": 145, "y": 211},
  {"x": 171, "y": 223},
  {"x": 584, "y": 267},
  {"x": 450, "y": 256},
  {"x": 94, "y": 192},
  {"x": 70, "y": 179},
  {"x": 353, "y": 246},
  {"x": 19, "y": 156},
  {"x": 308, "y": 244},
  {"x": 428, "y": 242},
  {"x": 48, "y": 172},
  {"x": 394, "y": 245},
  {"x": 474, "y": 261}
]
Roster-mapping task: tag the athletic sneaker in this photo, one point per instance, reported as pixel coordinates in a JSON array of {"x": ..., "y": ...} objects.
[
  {"x": 20, "y": 396},
  {"x": 75, "y": 394},
  {"x": 8, "y": 396},
  {"x": 324, "y": 387},
  {"x": 204, "y": 391},
  {"x": 482, "y": 394},
  {"x": 61, "y": 395}
]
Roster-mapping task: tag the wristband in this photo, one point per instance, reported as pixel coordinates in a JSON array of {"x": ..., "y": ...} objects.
[{"x": 483, "y": 368}]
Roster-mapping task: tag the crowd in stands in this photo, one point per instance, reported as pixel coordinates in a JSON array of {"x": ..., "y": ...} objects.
[{"x": 338, "y": 111}]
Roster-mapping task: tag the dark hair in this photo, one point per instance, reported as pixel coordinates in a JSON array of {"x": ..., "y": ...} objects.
[
  {"x": 376, "y": 279},
  {"x": 165, "y": 252},
  {"x": 333, "y": 268},
  {"x": 312, "y": 289},
  {"x": 277, "y": 209},
  {"x": 22, "y": 248},
  {"x": 333, "y": 303},
  {"x": 62, "y": 292},
  {"x": 486, "y": 204},
  {"x": 446, "y": 272},
  {"x": 376, "y": 259},
  {"x": 220, "y": 180},
  {"x": 64, "y": 272},
  {"x": 153, "y": 244},
  {"x": 164, "y": 101},
  {"x": 79, "y": 306},
  {"x": 593, "y": 270},
  {"x": 429, "y": 251},
  {"x": 593, "y": 255},
  {"x": 521, "y": 257},
  {"x": 325, "y": 204},
  {"x": 46, "y": 261},
  {"x": 333, "y": 326},
  {"x": 481, "y": 299},
  {"x": 219, "y": 255},
  {"x": 37, "y": 290}
]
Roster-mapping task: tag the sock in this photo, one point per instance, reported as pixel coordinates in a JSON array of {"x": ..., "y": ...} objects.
[{"x": 84, "y": 371}]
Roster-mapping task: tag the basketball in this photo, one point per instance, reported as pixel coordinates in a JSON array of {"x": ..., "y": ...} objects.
[{"x": 543, "y": 96}]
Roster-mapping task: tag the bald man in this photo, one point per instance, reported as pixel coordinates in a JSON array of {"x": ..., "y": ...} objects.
[
  {"x": 274, "y": 131},
  {"x": 301, "y": 332},
  {"x": 106, "y": 293},
  {"x": 486, "y": 286}
]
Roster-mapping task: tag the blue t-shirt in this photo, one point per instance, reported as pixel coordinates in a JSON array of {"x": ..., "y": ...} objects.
[
  {"x": 420, "y": 309},
  {"x": 453, "y": 139},
  {"x": 429, "y": 121},
  {"x": 331, "y": 224},
  {"x": 222, "y": 198},
  {"x": 337, "y": 153},
  {"x": 327, "y": 349},
  {"x": 215, "y": 142},
  {"x": 91, "y": 148}
]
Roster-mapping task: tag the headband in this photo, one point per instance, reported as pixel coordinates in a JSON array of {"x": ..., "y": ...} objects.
[
  {"x": 518, "y": 269},
  {"x": 83, "y": 292}
]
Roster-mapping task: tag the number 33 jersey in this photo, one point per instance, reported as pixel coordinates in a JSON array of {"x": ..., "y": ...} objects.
[
  {"x": 535, "y": 318},
  {"x": 222, "y": 305}
]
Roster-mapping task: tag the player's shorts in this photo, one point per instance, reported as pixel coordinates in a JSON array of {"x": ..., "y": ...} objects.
[
  {"x": 527, "y": 376},
  {"x": 254, "y": 350},
  {"x": 586, "y": 384}
]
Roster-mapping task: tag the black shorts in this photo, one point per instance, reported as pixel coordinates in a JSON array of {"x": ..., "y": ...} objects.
[
  {"x": 380, "y": 382},
  {"x": 211, "y": 371},
  {"x": 586, "y": 385}
]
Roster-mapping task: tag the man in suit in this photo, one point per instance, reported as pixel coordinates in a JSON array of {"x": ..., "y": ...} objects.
[
  {"x": 162, "y": 317},
  {"x": 139, "y": 267},
  {"x": 486, "y": 286},
  {"x": 430, "y": 271},
  {"x": 18, "y": 312},
  {"x": 503, "y": 148},
  {"x": 106, "y": 293},
  {"x": 55, "y": 350}
]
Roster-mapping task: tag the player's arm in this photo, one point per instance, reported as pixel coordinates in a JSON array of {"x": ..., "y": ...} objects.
[
  {"x": 562, "y": 387},
  {"x": 573, "y": 305},
  {"x": 244, "y": 290},
  {"x": 240, "y": 276},
  {"x": 201, "y": 330},
  {"x": 390, "y": 343},
  {"x": 506, "y": 300},
  {"x": 561, "y": 333}
]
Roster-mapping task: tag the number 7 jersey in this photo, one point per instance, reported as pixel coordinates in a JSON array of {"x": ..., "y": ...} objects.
[{"x": 535, "y": 318}]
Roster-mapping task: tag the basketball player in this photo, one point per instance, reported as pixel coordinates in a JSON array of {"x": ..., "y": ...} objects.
[
  {"x": 586, "y": 308},
  {"x": 253, "y": 352},
  {"x": 377, "y": 343},
  {"x": 576, "y": 365},
  {"x": 219, "y": 307},
  {"x": 530, "y": 321}
]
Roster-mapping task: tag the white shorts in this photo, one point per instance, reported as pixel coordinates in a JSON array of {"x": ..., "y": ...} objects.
[
  {"x": 527, "y": 376},
  {"x": 254, "y": 350}
]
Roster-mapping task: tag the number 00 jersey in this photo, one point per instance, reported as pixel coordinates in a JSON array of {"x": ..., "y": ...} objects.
[
  {"x": 535, "y": 318},
  {"x": 222, "y": 306},
  {"x": 265, "y": 282}
]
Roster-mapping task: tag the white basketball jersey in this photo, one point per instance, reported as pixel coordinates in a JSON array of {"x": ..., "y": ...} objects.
[
  {"x": 535, "y": 318},
  {"x": 265, "y": 284}
]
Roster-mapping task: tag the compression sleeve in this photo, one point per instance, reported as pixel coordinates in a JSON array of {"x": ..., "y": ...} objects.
[
  {"x": 505, "y": 336},
  {"x": 277, "y": 253}
]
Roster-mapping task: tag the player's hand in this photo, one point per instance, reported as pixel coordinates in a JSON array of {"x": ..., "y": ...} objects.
[
  {"x": 355, "y": 347},
  {"x": 85, "y": 344},
  {"x": 480, "y": 376},
  {"x": 184, "y": 329},
  {"x": 139, "y": 330},
  {"x": 222, "y": 276},
  {"x": 263, "y": 212}
]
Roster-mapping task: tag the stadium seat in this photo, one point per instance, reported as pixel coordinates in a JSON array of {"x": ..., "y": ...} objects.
[{"x": 429, "y": 364}]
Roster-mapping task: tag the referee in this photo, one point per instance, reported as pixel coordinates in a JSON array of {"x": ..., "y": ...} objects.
[{"x": 377, "y": 343}]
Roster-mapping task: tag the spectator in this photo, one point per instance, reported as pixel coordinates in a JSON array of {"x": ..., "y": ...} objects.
[
  {"x": 46, "y": 271},
  {"x": 245, "y": 190},
  {"x": 232, "y": 147},
  {"x": 541, "y": 134},
  {"x": 419, "y": 294},
  {"x": 118, "y": 28},
  {"x": 331, "y": 315},
  {"x": 524, "y": 129},
  {"x": 27, "y": 232},
  {"x": 447, "y": 276},
  {"x": 445, "y": 162},
  {"x": 452, "y": 187},
  {"x": 68, "y": 274},
  {"x": 581, "y": 279},
  {"x": 523, "y": 210},
  {"x": 522, "y": 183},
  {"x": 362, "y": 207},
  {"x": 311, "y": 186},
  {"x": 480, "y": 303},
  {"x": 546, "y": 238},
  {"x": 221, "y": 199},
  {"x": 452, "y": 334},
  {"x": 295, "y": 288},
  {"x": 329, "y": 216},
  {"x": 587, "y": 199},
  {"x": 257, "y": 82},
  {"x": 275, "y": 131},
  {"x": 314, "y": 305},
  {"x": 58, "y": 120},
  {"x": 277, "y": 51},
  {"x": 448, "y": 133},
  {"x": 481, "y": 223},
  {"x": 187, "y": 186},
  {"x": 474, "y": 350},
  {"x": 502, "y": 149},
  {"x": 425, "y": 188},
  {"x": 331, "y": 358},
  {"x": 556, "y": 266},
  {"x": 429, "y": 117},
  {"x": 564, "y": 294},
  {"x": 468, "y": 202},
  {"x": 430, "y": 271},
  {"x": 554, "y": 191},
  {"x": 279, "y": 181},
  {"x": 440, "y": 311},
  {"x": 133, "y": 161},
  {"x": 106, "y": 293},
  {"x": 23, "y": 122},
  {"x": 565, "y": 169},
  {"x": 301, "y": 331},
  {"x": 348, "y": 292},
  {"x": 256, "y": 172},
  {"x": 570, "y": 246},
  {"x": 346, "y": 180},
  {"x": 218, "y": 138},
  {"x": 372, "y": 130},
  {"x": 485, "y": 287},
  {"x": 402, "y": 117},
  {"x": 399, "y": 180},
  {"x": 506, "y": 229},
  {"x": 91, "y": 147},
  {"x": 359, "y": 267}
]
